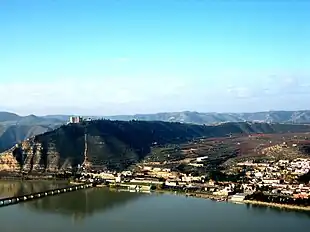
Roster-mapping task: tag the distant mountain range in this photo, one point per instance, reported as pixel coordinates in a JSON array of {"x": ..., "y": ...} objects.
[
  {"x": 215, "y": 118},
  {"x": 301, "y": 116},
  {"x": 15, "y": 128},
  {"x": 8, "y": 119}
]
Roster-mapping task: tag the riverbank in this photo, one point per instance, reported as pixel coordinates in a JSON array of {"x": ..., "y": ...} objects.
[
  {"x": 276, "y": 205},
  {"x": 208, "y": 196},
  {"x": 250, "y": 202},
  {"x": 225, "y": 198},
  {"x": 203, "y": 195}
]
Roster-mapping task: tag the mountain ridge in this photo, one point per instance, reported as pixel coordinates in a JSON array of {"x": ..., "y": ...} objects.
[
  {"x": 274, "y": 116},
  {"x": 115, "y": 145},
  {"x": 301, "y": 116},
  {"x": 17, "y": 126}
]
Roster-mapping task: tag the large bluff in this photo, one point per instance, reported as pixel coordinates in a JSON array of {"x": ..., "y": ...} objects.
[{"x": 115, "y": 145}]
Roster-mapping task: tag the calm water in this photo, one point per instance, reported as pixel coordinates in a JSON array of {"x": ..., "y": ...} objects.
[
  {"x": 102, "y": 210},
  {"x": 17, "y": 188}
]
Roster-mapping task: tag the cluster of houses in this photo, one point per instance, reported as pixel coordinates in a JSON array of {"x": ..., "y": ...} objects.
[
  {"x": 279, "y": 177},
  {"x": 276, "y": 178},
  {"x": 157, "y": 175},
  {"x": 148, "y": 175}
]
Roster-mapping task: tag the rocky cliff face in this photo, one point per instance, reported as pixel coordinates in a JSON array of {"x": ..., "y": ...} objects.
[
  {"x": 8, "y": 163},
  {"x": 33, "y": 156},
  {"x": 115, "y": 144}
]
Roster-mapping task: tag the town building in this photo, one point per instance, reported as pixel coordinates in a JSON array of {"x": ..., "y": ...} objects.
[
  {"x": 239, "y": 197},
  {"x": 75, "y": 119}
]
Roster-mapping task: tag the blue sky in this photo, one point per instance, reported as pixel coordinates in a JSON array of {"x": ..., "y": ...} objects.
[{"x": 122, "y": 57}]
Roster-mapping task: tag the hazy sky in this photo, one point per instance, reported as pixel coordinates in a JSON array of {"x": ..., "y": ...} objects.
[{"x": 142, "y": 56}]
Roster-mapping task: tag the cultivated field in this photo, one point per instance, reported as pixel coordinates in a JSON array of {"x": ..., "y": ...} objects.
[{"x": 225, "y": 152}]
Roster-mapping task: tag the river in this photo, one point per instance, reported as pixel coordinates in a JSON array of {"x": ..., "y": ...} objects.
[{"x": 99, "y": 209}]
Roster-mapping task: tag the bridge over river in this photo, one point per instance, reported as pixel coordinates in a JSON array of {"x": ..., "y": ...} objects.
[{"x": 17, "y": 199}]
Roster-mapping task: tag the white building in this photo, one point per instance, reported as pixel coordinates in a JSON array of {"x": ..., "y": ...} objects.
[
  {"x": 118, "y": 179},
  {"x": 75, "y": 119},
  {"x": 238, "y": 197},
  {"x": 258, "y": 174},
  {"x": 199, "y": 159},
  {"x": 147, "y": 168},
  {"x": 171, "y": 183},
  {"x": 271, "y": 181},
  {"x": 195, "y": 165}
]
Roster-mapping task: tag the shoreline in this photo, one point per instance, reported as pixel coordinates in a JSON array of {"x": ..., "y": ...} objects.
[
  {"x": 277, "y": 205},
  {"x": 209, "y": 196},
  {"x": 187, "y": 194},
  {"x": 212, "y": 197},
  {"x": 247, "y": 202}
]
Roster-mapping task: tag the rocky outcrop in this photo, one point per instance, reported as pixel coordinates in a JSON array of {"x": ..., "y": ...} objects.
[
  {"x": 32, "y": 156},
  {"x": 8, "y": 163},
  {"x": 115, "y": 145}
]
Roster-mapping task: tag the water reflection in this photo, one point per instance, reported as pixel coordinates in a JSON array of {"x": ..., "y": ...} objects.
[
  {"x": 77, "y": 204},
  {"x": 102, "y": 210},
  {"x": 82, "y": 203},
  {"x": 99, "y": 208},
  {"x": 18, "y": 188}
]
